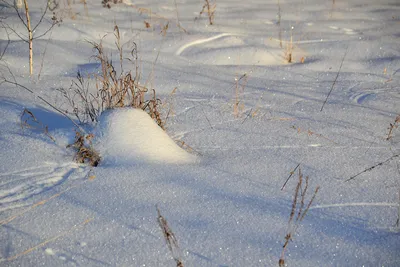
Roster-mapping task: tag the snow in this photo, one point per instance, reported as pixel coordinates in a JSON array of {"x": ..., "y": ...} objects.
[
  {"x": 130, "y": 135},
  {"x": 221, "y": 193}
]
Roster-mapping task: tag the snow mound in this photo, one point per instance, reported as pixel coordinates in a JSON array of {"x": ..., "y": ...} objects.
[{"x": 128, "y": 135}]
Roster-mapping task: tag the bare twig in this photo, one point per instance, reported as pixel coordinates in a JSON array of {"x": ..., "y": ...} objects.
[
  {"x": 8, "y": 41},
  {"x": 334, "y": 82},
  {"x": 373, "y": 167},
  {"x": 170, "y": 239},
  {"x": 393, "y": 126},
  {"x": 28, "y": 119},
  {"x": 291, "y": 174},
  {"x": 44, "y": 100}
]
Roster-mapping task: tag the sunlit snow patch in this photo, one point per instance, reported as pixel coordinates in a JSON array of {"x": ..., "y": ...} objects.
[{"x": 128, "y": 135}]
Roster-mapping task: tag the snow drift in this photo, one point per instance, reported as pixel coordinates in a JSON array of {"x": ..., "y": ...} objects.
[{"x": 130, "y": 135}]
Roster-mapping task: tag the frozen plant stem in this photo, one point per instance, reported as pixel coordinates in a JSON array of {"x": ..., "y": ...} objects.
[{"x": 337, "y": 76}]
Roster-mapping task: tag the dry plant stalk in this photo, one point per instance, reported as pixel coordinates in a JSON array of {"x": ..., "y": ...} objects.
[
  {"x": 393, "y": 126},
  {"x": 289, "y": 48},
  {"x": 114, "y": 88},
  {"x": 298, "y": 211},
  {"x": 85, "y": 152},
  {"x": 337, "y": 76},
  {"x": 107, "y": 3},
  {"x": 210, "y": 11},
  {"x": 373, "y": 167},
  {"x": 240, "y": 85},
  {"x": 311, "y": 133},
  {"x": 49, "y": 240},
  {"x": 170, "y": 104},
  {"x": 170, "y": 239},
  {"x": 85, "y": 106},
  {"x": 28, "y": 120}
]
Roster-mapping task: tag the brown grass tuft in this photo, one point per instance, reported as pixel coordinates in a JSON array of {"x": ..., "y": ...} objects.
[
  {"x": 115, "y": 88},
  {"x": 85, "y": 153}
]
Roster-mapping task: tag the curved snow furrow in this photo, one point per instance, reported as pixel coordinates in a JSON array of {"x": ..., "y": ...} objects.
[{"x": 31, "y": 182}]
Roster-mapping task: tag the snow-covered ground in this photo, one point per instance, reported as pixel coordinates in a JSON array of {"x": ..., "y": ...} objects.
[{"x": 222, "y": 197}]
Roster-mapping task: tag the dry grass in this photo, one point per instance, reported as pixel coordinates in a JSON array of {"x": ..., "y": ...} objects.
[
  {"x": 85, "y": 153},
  {"x": 238, "y": 105},
  {"x": 209, "y": 9},
  {"x": 62, "y": 234},
  {"x": 312, "y": 133},
  {"x": 170, "y": 239},
  {"x": 393, "y": 126},
  {"x": 288, "y": 53},
  {"x": 298, "y": 211},
  {"x": 113, "y": 88},
  {"x": 108, "y": 3},
  {"x": 28, "y": 120}
]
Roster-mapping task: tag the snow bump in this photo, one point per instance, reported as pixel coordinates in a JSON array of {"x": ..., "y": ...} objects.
[{"x": 128, "y": 135}]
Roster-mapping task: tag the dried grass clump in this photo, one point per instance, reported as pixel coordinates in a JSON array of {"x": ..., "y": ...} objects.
[
  {"x": 298, "y": 211},
  {"x": 115, "y": 88},
  {"x": 85, "y": 153},
  {"x": 108, "y": 3}
]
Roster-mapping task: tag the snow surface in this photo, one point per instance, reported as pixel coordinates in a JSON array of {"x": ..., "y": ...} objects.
[{"x": 226, "y": 207}]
